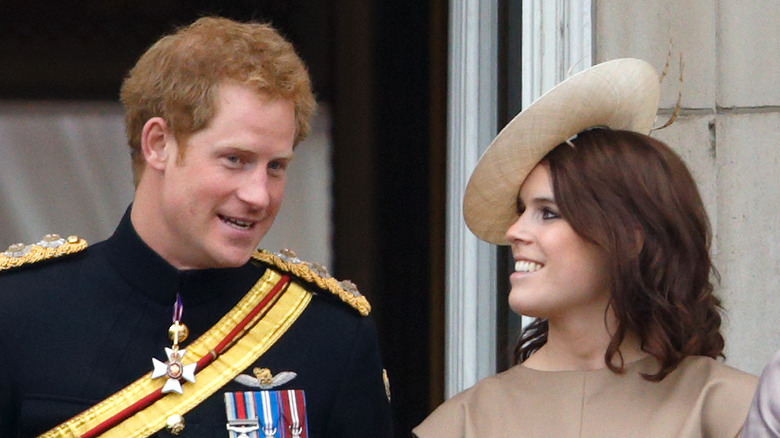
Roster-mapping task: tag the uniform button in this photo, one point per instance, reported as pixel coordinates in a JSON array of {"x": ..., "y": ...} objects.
[{"x": 174, "y": 424}]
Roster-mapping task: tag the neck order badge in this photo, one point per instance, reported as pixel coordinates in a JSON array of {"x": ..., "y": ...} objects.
[{"x": 174, "y": 368}]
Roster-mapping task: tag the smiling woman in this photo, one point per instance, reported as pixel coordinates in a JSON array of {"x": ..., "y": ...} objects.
[
  {"x": 611, "y": 246},
  {"x": 560, "y": 274},
  {"x": 632, "y": 201}
]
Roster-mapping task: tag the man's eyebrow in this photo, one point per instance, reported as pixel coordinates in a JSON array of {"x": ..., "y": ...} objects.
[
  {"x": 237, "y": 148},
  {"x": 287, "y": 157}
]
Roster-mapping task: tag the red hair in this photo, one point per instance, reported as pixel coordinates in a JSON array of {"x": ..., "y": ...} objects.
[{"x": 179, "y": 76}]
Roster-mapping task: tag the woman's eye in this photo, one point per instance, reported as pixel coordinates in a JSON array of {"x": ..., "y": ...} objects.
[{"x": 548, "y": 213}]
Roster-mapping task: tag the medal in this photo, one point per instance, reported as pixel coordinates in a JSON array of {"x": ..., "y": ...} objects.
[
  {"x": 173, "y": 368},
  {"x": 242, "y": 414},
  {"x": 266, "y": 414},
  {"x": 269, "y": 423},
  {"x": 294, "y": 413}
]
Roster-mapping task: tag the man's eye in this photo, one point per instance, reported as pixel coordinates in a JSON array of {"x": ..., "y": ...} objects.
[
  {"x": 277, "y": 165},
  {"x": 234, "y": 159}
]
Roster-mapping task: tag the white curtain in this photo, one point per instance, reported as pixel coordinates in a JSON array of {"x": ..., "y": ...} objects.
[{"x": 65, "y": 168}]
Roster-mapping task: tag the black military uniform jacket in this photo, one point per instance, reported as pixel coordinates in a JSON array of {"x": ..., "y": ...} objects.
[{"x": 76, "y": 330}]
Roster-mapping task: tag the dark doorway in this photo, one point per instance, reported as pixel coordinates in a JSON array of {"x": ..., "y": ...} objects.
[{"x": 389, "y": 131}]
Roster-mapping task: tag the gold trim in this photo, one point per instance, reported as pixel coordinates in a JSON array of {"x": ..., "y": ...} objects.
[
  {"x": 305, "y": 273},
  {"x": 240, "y": 356},
  {"x": 36, "y": 253}
]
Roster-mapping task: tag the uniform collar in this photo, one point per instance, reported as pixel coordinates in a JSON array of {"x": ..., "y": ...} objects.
[{"x": 154, "y": 277}]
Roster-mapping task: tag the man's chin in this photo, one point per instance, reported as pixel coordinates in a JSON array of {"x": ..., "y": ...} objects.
[
  {"x": 232, "y": 259},
  {"x": 235, "y": 261}
]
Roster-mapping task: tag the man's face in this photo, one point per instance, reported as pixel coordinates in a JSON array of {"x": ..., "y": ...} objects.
[{"x": 220, "y": 199}]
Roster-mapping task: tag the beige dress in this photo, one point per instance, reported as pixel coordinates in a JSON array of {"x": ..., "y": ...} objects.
[{"x": 701, "y": 398}]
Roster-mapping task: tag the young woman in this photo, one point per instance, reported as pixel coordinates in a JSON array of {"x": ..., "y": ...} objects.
[{"x": 611, "y": 246}]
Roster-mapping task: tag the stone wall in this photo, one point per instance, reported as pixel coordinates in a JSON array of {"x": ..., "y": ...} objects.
[{"x": 728, "y": 133}]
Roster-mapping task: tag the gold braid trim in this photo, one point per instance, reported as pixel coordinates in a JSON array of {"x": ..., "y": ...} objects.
[
  {"x": 51, "y": 246},
  {"x": 316, "y": 274}
]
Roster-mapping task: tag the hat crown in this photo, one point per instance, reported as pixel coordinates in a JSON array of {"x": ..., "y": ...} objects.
[{"x": 618, "y": 94}]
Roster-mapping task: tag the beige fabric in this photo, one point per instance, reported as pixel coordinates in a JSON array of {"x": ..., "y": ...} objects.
[{"x": 701, "y": 398}]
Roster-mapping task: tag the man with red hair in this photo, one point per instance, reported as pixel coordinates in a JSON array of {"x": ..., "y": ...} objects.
[{"x": 177, "y": 315}]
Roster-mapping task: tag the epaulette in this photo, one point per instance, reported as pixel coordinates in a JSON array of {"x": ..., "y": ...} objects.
[
  {"x": 51, "y": 246},
  {"x": 316, "y": 274}
]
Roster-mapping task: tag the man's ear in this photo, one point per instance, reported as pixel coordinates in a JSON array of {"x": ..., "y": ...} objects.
[{"x": 157, "y": 143}]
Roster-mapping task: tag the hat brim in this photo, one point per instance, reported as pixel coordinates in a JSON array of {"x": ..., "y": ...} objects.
[{"x": 619, "y": 94}]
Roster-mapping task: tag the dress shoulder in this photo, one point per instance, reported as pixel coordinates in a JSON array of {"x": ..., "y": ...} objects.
[
  {"x": 51, "y": 246},
  {"x": 315, "y": 274},
  {"x": 725, "y": 393},
  {"x": 719, "y": 373}
]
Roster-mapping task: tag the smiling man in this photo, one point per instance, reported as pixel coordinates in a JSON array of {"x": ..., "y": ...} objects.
[
  {"x": 177, "y": 324},
  {"x": 208, "y": 202}
]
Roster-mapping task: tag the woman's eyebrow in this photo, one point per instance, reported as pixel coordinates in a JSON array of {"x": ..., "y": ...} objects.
[
  {"x": 538, "y": 200},
  {"x": 544, "y": 200}
]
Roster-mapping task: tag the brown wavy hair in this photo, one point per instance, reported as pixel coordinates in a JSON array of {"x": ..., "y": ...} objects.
[
  {"x": 634, "y": 197},
  {"x": 179, "y": 76}
]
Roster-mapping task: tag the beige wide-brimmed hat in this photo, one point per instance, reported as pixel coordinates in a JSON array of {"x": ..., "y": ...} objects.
[{"x": 619, "y": 94}]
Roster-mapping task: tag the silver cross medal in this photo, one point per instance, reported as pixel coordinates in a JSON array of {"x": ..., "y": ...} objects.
[{"x": 174, "y": 369}]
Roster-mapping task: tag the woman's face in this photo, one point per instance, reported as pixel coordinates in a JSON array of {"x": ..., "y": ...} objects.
[{"x": 557, "y": 273}]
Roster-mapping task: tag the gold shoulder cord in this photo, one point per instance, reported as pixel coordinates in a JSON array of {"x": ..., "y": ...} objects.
[
  {"x": 51, "y": 246},
  {"x": 316, "y": 274}
]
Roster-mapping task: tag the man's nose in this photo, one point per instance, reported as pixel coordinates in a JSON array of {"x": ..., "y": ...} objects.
[{"x": 254, "y": 189}]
